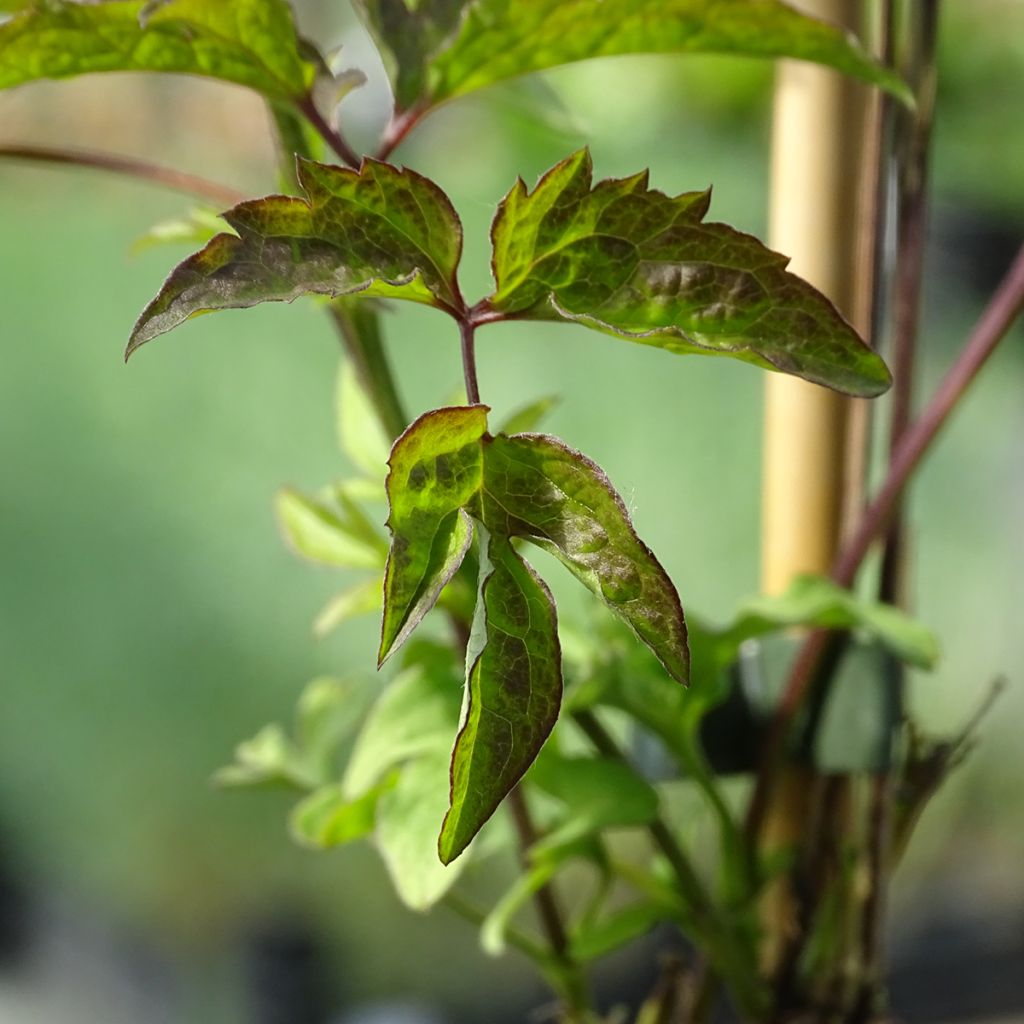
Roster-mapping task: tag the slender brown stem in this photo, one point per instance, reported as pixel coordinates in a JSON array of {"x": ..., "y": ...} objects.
[
  {"x": 399, "y": 127},
  {"x": 331, "y": 136},
  {"x": 143, "y": 170},
  {"x": 1004, "y": 307},
  {"x": 467, "y": 331}
]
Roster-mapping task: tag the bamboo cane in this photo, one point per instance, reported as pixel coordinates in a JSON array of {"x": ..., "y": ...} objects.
[{"x": 818, "y": 127}]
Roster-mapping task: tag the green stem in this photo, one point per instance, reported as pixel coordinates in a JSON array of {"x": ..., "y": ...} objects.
[
  {"x": 467, "y": 330},
  {"x": 515, "y": 937},
  {"x": 359, "y": 328}
]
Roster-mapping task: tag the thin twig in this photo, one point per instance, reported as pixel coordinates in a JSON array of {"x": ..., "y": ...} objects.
[
  {"x": 999, "y": 315},
  {"x": 398, "y": 128},
  {"x": 143, "y": 170},
  {"x": 331, "y": 136}
]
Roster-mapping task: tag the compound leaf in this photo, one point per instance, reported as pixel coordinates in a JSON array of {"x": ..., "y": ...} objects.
[
  {"x": 436, "y": 468},
  {"x": 630, "y": 261},
  {"x": 378, "y": 231},
  {"x": 498, "y": 39},
  {"x": 248, "y": 42},
  {"x": 513, "y": 691},
  {"x": 561, "y": 501}
]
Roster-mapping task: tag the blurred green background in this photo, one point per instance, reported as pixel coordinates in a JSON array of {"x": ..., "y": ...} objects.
[{"x": 150, "y": 617}]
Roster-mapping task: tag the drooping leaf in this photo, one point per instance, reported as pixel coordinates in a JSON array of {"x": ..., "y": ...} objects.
[
  {"x": 562, "y": 501},
  {"x": 378, "y": 231},
  {"x": 815, "y": 601},
  {"x": 513, "y": 690},
  {"x": 633, "y": 262},
  {"x": 327, "y": 818},
  {"x": 321, "y": 535},
  {"x": 498, "y": 39},
  {"x": 415, "y": 716},
  {"x": 248, "y": 42},
  {"x": 407, "y": 822},
  {"x": 436, "y": 469},
  {"x": 406, "y": 33}
]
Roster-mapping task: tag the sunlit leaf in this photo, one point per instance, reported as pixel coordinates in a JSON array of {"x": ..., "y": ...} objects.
[
  {"x": 360, "y": 599},
  {"x": 359, "y": 432},
  {"x": 499, "y": 39},
  {"x": 528, "y": 417},
  {"x": 328, "y": 818},
  {"x": 199, "y": 225},
  {"x": 436, "y": 469},
  {"x": 318, "y": 533},
  {"x": 646, "y": 267},
  {"x": 408, "y": 817},
  {"x": 815, "y": 601},
  {"x": 563, "y": 502},
  {"x": 415, "y": 716},
  {"x": 248, "y": 42},
  {"x": 378, "y": 231}
]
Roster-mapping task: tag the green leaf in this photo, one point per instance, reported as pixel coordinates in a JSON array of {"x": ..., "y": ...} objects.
[
  {"x": 818, "y": 602},
  {"x": 248, "y": 42},
  {"x": 321, "y": 535},
  {"x": 327, "y": 818},
  {"x": 528, "y": 417},
  {"x": 633, "y": 262},
  {"x": 407, "y": 821},
  {"x": 562, "y": 501},
  {"x": 359, "y": 432},
  {"x": 513, "y": 691},
  {"x": 414, "y": 717},
  {"x": 406, "y": 33},
  {"x": 616, "y": 929},
  {"x": 378, "y": 231},
  {"x": 496, "y": 925},
  {"x": 436, "y": 467},
  {"x": 499, "y": 39},
  {"x": 597, "y": 793},
  {"x": 352, "y": 602},
  {"x": 199, "y": 225},
  {"x": 269, "y": 757}
]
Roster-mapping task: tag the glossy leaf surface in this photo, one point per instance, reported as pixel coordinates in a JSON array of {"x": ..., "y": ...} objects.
[
  {"x": 499, "y": 39},
  {"x": 379, "y": 231},
  {"x": 562, "y": 501},
  {"x": 248, "y": 42},
  {"x": 513, "y": 690},
  {"x": 436, "y": 470},
  {"x": 630, "y": 261}
]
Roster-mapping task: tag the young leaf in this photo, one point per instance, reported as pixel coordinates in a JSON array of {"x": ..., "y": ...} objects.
[
  {"x": 319, "y": 534},
  {"x": 632, "y": 262},
  {"x": 248, "y": 42},
  {"x": 196, "y": 227},
  {"x": 407, "y": 820},
  {"x": 528, "y": 417},
  {"x": 359, "y": 432},
  {"x": 616, "y": 929},
  {"x": 561, "y": 501},
  {"x": 415, "y": 716},
  {"x": 328, "y": 818},
  {"x": 513, "y": 692},
  {"x": 378, "y": 231},
  {"x": 360, "y": 599},
  {"x": 498, "y": 39},
  {"x": 436, "y": 469}
]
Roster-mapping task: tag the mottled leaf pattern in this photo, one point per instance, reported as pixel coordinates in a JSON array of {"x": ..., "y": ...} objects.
[
  {"x": 436, "y": 469},
  {"x": 526, "y": 486},
  {"x": 499, "y": 39},
  {"x": 633, "y": 262},
  {"x": 378, "y": 231},
  {"x": 248, "y": 42},
  {"x": 513, "y": 693},
  {"x": 562, "y": 501}
]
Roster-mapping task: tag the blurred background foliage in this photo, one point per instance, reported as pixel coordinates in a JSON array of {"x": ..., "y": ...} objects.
[{"x": 150, "y": 617}]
